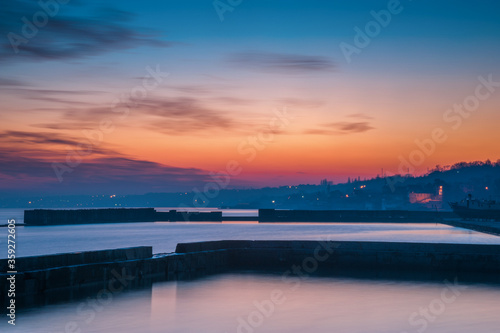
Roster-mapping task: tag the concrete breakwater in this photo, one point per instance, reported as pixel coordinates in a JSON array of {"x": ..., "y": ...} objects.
[
  {"x": 81, "y": 216},
  {"x": 401, "y": 216},
  {"x": 359, "y": 255},
  {"x": 61, "y": 277},
  {"x": 113, "y": 215},
  {"x": 72, "y": 274},
  {"x": 119, "y": 215}
]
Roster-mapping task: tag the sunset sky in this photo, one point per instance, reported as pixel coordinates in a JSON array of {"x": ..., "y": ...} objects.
[{"x": 264, "y": 85}]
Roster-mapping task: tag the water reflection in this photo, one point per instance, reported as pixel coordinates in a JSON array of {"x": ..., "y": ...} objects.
[{"x": 241, "y": 303}]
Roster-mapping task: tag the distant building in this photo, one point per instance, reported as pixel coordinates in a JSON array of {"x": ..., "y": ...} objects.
[
  {"x": 325, "y": 182},
  {"x": 421, "y": 198},
  {"x": 429, "y": 200}
]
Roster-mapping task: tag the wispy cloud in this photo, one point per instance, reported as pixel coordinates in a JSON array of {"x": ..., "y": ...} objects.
[
  {"x": 282, "y": 63},
  {"x": 68, "y": 37},
  {"x": 172, "y": 116},
  {"x": 64, "y": 97},
  {"x": 303, "y": 103},
  {"x": 37, "y": 143},
  {"x": 100, "y": 175},
  {"x": 6, "y": 82},
  {"x": 35, "y": 138},
  {"x": 191, "y": 89},
  {"x": 360, "y": 116},
  {"x": 185, "y": 115},
  {"x": 26, "y": 163},
  {"x": 343, "y": 127},
  {"x": 352, "y": 127}
]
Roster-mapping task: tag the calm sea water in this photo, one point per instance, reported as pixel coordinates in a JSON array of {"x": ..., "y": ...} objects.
[
  {"x": 265, "y": 303},
  {"x": 243, "y": 302}
]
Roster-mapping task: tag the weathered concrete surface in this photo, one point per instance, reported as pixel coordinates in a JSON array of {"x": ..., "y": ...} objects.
[
  {"x": 185, "y": 216},
  {"x": 78, "y": 258},
  {"x": 107, "y": 270},
  {"x": 492, "y": 228},
  {"x": 42, "y": 217},
  {"x": 87, "y": 216},
  {"x": 457, "y": 258}
]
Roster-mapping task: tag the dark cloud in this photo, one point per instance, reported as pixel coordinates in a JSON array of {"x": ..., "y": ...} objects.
[
  {"x": 193, "y": 108},
  {"x": 360, "y": 116},
  {"x": 61, "y": 92},
  {"x": 59, "y": 100},
  {"x": 127, "y": 166},
  {"x": 339, "y": 128},
  {"x": 23, "y": 170},
  {"x": 67, "y": 37},
  {"x": 303, "y": 103},
  {"x": 100, "y": 175},
  {"x": 233, "y": 100},
  {"x": 191, "y": 89},
  {"x": 76, "y": 116},
  {"x": 27, "y": 163},
  {"x": 57, "y": 96},
  {"x": 37, "y": 138},
  {"x": 352, "y": 127},
  {"x": 5, "y": 82},
  {"x": 35, "y": 142},
  {"x": 60, "y": 126},
  {"x": 184, "y": 115},
  {"x": 282, "y": 63},
  {"x": 174, "y": 116},
  {"x": 212, "y": 92}
]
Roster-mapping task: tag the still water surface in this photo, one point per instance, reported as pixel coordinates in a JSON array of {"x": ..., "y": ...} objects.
[
  {"x": 231, "y": 303},
  {"x": 165, "y": 236}
]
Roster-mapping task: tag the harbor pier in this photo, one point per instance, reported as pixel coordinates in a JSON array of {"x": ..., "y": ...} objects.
[{"x": 71, "y": 275}]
